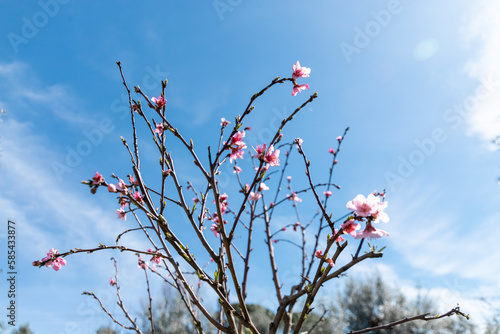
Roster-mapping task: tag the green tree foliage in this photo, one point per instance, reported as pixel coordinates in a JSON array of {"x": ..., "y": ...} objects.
[
  {"x": 170, "y": 316},
  {"x": 370, "y": 303},
  {"x": 106, "y": 330},
  {"x": 24, "y": 329}
]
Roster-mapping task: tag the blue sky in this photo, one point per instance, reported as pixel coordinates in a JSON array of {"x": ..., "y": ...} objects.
[{"x": 416, "y": 82}]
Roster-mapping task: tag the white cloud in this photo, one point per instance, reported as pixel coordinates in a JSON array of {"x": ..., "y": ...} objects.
[
  {"x": 484, "y": 31},
  {"x": 24, "y": 93}
]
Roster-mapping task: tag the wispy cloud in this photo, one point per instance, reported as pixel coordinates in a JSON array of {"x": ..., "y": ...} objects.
[
  {"x": 483, "y": 31},
  {"x": 23, "y": 92}
]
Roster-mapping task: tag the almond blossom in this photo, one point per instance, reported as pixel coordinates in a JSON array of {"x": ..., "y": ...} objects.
[
  {"x": 160, "y": 101},
  {"x": 294, "y": 197},
  {"x": 350, "y": 227},
  {"x": 53, "y": 260},
  {"x": 214, "y": 228},
  {"x": 137, "y": 197},
  {"x": 156, "y": 257},
  {"x": 112, "y": 282},
  {"x": 254, "y": 196},
  {"x": 224, "y": 123},
  {"x": 159, "y": 128},
  {"x": 98, "y": 178},
  {"x": 318, "y": 254},
  {"x": 339, "y": 238},
  {"x": 142, "y": 264},
  {"x": 263, "y": 187},
  {"x": 121, "y": 214},
  {"x": 300, "y": 72},
  {"x": 299, "y": 88},
  {"x": 111, "y": 188},
  {"x": 272, "y": 156},
  {"x": 237, "y": 146},
  {"x": 260, "y": 151},
  {"x": 371, "y": 232},
  {"x": 364, "y": 207}
]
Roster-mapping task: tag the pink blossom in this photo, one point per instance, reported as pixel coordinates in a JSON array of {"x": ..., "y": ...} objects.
[
  {"x": 223, "y": 197},
  {"x": 380, "y": 214},
  {"x": 121, "y": 186},
  {"x": 260, "y": 151},
  {"x": 330, "y": 262},
  {"x": 339, "y": 139},
  {"x": 327, "y": 193},
  {"x": 294, "y": 197},
  {"x": 159, "y": 128},
  {"x": 160, "y": 101},
  {"x": 263, "y": 187},
  {"x": 58, "y": 262},
  {"x": 331, "y": 150},
  {"x": 265, "y": 168},
  {"x": 364, "y": 207},
  {"x": 121, "y": 214},
  {"x": 288, "y": 178},
  {"x": 371, "y": 232},
  {"x": 284, "y": 229},
  {"x": 318, "y": 254},
  {"x": 214, "y": 228},
  {"x": 299, "y": 88},
  {"x": 224, "y": 123},
  {"x": 195, "y": 200},
  {"x": 237, "y": 169},
  {"x": 137, "y": 197},
  {"x": 300, "y": 72},
  {"x": 298, "y": 141},
  {"x": 53, "y": 260},
  {"x": 272, "y": 156},
  {"x": 237, "y": 146},
  {"x": 350, "y": 227},
  {"x": 142, "y": 264},
  {"x": 132, "y": 181},
  {"x": 335, "y": 161},
  {"x": 236, "y": 154},
  {"x": 254, "y": 196},
  {"x": 156, "y": 257},
  {"x": 339, "y": 238},
  {"x": 112, "y": 282},
  {"x": 275, "y": 241},
  {"x": 111, "y": 188},
  {"x": 98, "y": 178}
]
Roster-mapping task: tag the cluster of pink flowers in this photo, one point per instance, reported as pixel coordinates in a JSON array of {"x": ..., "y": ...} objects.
[
  {"x": 215, "y": 217},
  {"x": 319, "y": 255},
  {"x": 370, "y": 208},
  {"x": 299, "y": 72},
  {"x": 156, "y": 256},
  {"x": 122, "y": 188},
  {"x": 52, "y": 260},
  {"x": 270, "y": 156},
  {"x": 160, "y": 101},
  {"x": 237, "y": 146}
]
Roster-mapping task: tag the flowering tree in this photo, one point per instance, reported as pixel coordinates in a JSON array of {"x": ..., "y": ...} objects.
[{"x": 232, "y": 220}]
